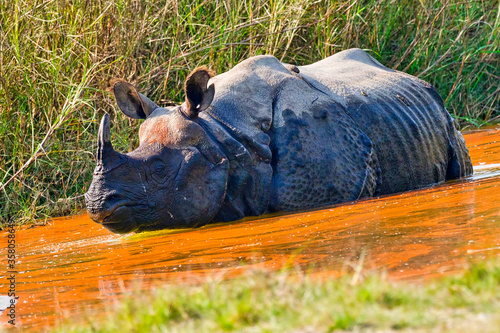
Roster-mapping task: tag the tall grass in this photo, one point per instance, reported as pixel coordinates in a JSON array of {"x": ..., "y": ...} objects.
[{"x": 57, "y": 56}]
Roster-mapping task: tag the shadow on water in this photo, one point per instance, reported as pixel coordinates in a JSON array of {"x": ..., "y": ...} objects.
[{"x": 74, "y": 263}]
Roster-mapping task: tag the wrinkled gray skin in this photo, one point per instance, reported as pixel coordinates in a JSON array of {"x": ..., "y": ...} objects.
[{"x": 267, "y": 137}]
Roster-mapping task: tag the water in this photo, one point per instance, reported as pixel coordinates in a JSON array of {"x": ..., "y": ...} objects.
[{"x": 74, "y": 264}]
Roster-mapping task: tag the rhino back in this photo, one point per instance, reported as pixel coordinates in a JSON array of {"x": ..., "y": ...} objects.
[
  {"x": 304, "y": 151},
  {"x": 412, "y": 133},
  {"x": 320, "y": 156}
]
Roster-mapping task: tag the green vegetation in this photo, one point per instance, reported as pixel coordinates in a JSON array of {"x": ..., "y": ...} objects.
[
  {"x": 56, "y": 58},
  {"x": 280, "y": 302}
]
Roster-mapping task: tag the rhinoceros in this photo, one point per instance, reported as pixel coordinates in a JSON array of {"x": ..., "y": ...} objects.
[{"x": 268, "y": 136}]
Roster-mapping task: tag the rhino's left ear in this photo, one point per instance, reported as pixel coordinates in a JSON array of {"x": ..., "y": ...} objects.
[
  {"x": 198, "y": 95},
  {"x": 130, "y": 101}
]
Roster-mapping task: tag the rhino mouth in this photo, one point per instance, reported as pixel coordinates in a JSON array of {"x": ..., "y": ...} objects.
[
  {"x": 120, "y": 213},
  {"x": 123, "y": 218}
]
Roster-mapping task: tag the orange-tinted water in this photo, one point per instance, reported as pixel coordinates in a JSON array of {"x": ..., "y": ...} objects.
[{"x": 74, "y": 263}]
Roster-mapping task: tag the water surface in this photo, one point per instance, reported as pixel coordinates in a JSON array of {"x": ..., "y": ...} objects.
[{"x": 74, "y": 264}]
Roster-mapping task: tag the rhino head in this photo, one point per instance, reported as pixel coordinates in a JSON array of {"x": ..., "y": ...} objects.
[{"x": 176, "y": 178}]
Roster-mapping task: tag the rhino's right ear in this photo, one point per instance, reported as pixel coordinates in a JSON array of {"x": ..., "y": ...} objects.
[
  {"x": 130, "y": 101},
  {"x": 199, "y": 96}
]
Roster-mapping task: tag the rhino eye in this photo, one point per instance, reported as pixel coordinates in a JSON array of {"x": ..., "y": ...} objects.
[
  {"x": 159, "y": 169},
  {"x": 158, "y": 172}
]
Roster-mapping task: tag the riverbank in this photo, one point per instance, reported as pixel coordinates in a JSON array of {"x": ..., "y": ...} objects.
[
  {"x": 57, "y": 58},
  {"x": 261, "y": 301}
]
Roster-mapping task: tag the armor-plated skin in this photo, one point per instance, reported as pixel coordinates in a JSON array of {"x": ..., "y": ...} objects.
[{"x": 267, "y": 136}]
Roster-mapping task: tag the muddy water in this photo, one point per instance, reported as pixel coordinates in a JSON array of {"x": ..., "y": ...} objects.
[{"x": 73, "y": 264}]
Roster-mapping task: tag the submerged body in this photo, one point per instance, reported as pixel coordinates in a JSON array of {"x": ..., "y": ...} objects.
[{"x": 267, "y": 136}]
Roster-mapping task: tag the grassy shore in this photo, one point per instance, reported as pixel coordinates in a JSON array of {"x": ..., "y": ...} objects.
[
  {"x": 56, "y": 58},
  {"x": 271, "y": 302}
]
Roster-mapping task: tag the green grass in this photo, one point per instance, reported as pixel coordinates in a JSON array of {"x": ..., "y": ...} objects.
[
  {"x": 56, "y": 58},
  {"x": 284, "y": 302}
]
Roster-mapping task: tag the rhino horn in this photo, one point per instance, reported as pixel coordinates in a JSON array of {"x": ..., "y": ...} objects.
[{"x": 107, "y": 157}]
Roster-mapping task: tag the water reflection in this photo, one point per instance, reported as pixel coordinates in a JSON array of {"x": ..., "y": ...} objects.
[{"x": 74, "y": 263}]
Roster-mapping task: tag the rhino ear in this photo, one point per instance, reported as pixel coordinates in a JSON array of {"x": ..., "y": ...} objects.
[
  {"x": 130, "y": 101},
  {"x": 198, "y": 95}
]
